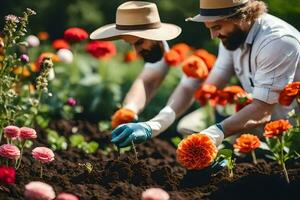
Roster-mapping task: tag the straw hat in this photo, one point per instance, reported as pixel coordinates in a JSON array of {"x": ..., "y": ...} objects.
[
  {"x": 212, "y": 10},
  {"x": 137, "y": 18}
]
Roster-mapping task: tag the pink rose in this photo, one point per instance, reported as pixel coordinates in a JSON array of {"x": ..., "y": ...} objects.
[
  {"x": 36, "y": 190},
  {"x": 43, "y": 154},
  {"x": 27, "y": 133},
  {"x": 12, "y": 132},
  {"x": 66, "y": 196},
  {"x": 155, "y": 194},
  {"x": 9, "y": 151}
]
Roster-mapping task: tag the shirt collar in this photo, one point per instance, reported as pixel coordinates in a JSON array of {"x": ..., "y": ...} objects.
[{"x": 253, "y": 32}]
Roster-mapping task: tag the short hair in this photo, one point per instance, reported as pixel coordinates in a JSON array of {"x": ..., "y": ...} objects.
[{"x": 250, "y": 12}]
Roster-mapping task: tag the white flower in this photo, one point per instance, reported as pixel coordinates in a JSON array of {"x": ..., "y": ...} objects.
[
  {"x": 33, "y": 41},
  {"x": 65, "y": 55},
  {"x": 51, "y": 74}
]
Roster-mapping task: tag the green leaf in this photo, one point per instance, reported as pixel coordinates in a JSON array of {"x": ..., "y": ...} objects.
[
  {"x": 176, "y": 140},
  {"x": 76, "y": 140},
  {"x": 226, "y": 153},
  {"x": 91, "y": 147}
]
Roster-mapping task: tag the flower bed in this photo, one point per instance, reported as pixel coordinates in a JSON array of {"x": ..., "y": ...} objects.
[{"x": 114, "y": 177}]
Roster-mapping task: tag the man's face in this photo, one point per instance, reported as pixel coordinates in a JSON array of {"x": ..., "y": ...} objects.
[
  {"x": 231, "y": 34},
  {"x": 150, "y": 50}
]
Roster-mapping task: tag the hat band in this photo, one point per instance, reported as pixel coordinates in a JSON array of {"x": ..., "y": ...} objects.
[
  {"x": 219, "y": 11},
  {"x": 139, "y": 27}
]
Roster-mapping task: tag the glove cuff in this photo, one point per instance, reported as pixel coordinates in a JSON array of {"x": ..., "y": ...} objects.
[{"x": 215, "y": 133}]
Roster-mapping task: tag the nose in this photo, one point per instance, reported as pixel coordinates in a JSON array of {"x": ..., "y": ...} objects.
[{"x": 213, "y": 34}]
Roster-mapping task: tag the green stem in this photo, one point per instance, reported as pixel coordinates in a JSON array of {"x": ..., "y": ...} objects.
[
  {"x": 254, "y": 157},
  {"x": 21, "y": 155},
  {"x": 282, "y": 162}
]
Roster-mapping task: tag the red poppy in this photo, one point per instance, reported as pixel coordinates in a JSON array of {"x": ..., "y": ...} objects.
[
  {"x": 75, "y": 34},
  {"x": 276, "y": 128},
  {"x": 60, "y": 44},
  {"x": 208, "y": 58},
  {"x": 101, "y": 49},
  {"x": 195, "y": 67},
  {"x": 196, "y": 151}
]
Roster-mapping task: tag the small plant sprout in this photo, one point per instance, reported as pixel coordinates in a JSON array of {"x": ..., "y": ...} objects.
[
  {"x": 227, "y": 154},
  {"x": 88, "y": 167},
  {"x": 43, "y": 155},
  {"x": 247, "y": 143},
  {"x": 78, "y": 141}
]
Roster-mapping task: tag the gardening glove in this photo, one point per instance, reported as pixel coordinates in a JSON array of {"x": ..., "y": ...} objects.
[
  {"x": 122, "y": 116},
  {"x": 215, "y": 132},
  {"x": 125, "y": 134}
]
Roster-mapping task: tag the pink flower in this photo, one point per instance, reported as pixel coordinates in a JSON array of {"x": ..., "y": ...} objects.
[
  {"x": 7, "y": 175},
  {"x": 27, "y": 133},
  {"x": 9, "y": 151},
  {"x": 43, "y": 154},
  {"x": 66, "y": 196},
  {"x": 12, "y": 132},
  {"x": 36, "y": 190},
  {"x": 155, "y": 194},
  {"x": 71, "y": 101}
]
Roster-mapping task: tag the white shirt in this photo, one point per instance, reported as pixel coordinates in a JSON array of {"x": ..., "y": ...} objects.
[{"x": 274, "y": 62}]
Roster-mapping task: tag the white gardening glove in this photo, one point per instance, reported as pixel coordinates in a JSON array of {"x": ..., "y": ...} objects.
[{"x": 215, "y": 133}]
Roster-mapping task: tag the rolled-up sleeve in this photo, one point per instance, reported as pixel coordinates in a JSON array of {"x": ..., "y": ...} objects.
[{"x": 277, "y": 62}]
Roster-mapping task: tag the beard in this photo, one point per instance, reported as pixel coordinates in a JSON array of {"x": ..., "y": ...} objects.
[
  {"x": 235, "y": 39},
  {"x": 153, "y": 55}
]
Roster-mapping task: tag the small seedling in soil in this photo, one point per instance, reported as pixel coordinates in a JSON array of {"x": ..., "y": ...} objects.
[
  {"x": 88, "y": 167},
  {"x": 230, "y": 163}
]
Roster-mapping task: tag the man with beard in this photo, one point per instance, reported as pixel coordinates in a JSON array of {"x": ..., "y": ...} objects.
[{"x": 260, "y": 49}]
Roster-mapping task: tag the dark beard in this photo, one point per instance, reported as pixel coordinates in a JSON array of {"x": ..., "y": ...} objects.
[
  {"x": 153, "y": 55},
  {"x": 235, "y": 39}
]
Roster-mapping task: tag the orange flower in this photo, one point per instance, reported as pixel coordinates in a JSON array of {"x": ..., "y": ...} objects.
[
  {"x": 130, "y": 56},
  {"x": 196, "y": 151},
  {"x": 43, "y": 35},
  {"x": 288, "y": 94},
  {"x": 122, "y": 116},
  {"x": 60, "y": 44},
  {"x": 246, "y": 143},
  {"x": 24, "y": 71},
  {"x": 276, "y": 128},
  {"x": 205, "y": 93},
  {"x": 172, "y": 58},
  {"x": 242, "y": 99},
  {"x": 195, "y": 67},
  {"x": 208, "y": 58},
  {"x": 227, "y": 94},
  {"x": 182, "y": 49}
]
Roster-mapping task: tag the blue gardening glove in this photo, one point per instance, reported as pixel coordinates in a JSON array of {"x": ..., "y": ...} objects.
[{"x": 125, "y": 134}]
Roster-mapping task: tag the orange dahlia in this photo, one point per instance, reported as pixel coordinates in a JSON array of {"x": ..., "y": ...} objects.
[
  {"x": 246, "y": 143},
  {"x": 208, "y": 58},
  {"x": 195, "y": 67},
  {"x": 197, "y": 151},
  {"x": 276, "y": 128},
  {"x": 289, "y": 93},
  {"x": 122, "y": 116}
]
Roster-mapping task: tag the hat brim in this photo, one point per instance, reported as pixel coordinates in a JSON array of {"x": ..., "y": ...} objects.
[
  {"x": 109, "y": 32},
  {"x": 201, "y": 18}
]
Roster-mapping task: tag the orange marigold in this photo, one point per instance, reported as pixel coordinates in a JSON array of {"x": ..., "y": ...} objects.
[
  {"x": 208, "y": 58},
  {"x": 276, "y": 128},
  {"x": 197, "y": 151},
  {"x": 172, "y": 58},
  {"x": 289, "y": 93},
  {"x": 195, "y": 67},
  {"x": 182, "y": 49},
  {"x": 122, "y": 116},
  {"x": 130, "y": 56},
  {"x": 246, "y": 143},
  {"x": 206, "y": 92}
]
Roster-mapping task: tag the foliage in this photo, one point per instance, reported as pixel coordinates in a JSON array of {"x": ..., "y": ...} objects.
[
  {"x": 78, "y": 141},
  {"x": 56, "y": 141},
  {"x": 227, "y": 154}
]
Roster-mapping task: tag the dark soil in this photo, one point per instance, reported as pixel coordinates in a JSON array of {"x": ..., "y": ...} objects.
[{"x": 124, "y": 177}]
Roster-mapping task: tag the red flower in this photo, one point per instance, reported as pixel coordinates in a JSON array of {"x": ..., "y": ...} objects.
[
  {"x": 7, "y": 175},
  {"x": 101, "y": 49},
  {"x": 60, "y": 44},
  {"x": 289, "y": 93},
  {"x": 196, "y": 151},
  {"x": 172, "y": 58},
  {"x": 242, "y": 99},
  {"x": 208, "y": 58},
  {"x": 75, "y": 34},
  {"x": 246, "y": 143},
  {"x": 227, "y": 94},
  {"x": 276, "y": 128},
  {"x": 205, "y": 93},
  {"x": 130, "y": 56},
  {"x": 195, "y": 67}
]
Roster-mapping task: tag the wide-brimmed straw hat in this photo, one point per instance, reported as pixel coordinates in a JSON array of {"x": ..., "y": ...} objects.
[
  {"x": 212, "y": 10},
  {"x": 137, "y": 18}
]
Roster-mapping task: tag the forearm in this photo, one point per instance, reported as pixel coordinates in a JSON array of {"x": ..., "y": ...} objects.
[{"x": 251, "y": 116}]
